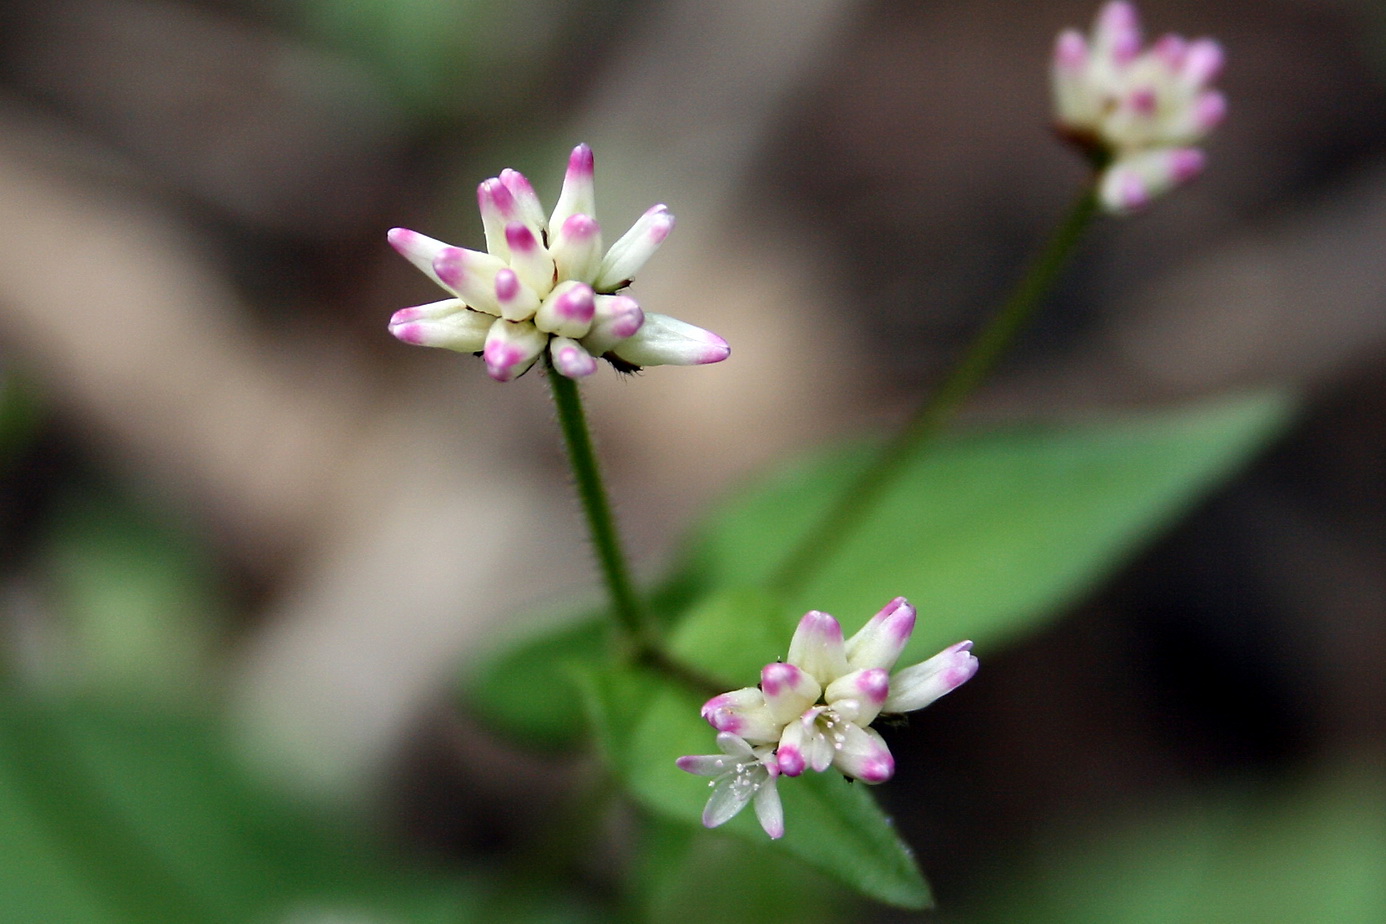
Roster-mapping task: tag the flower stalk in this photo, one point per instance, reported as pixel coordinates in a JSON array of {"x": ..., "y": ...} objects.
[
  {"x": 596, "y": 507},
  {"x": 854, "y": 506}
]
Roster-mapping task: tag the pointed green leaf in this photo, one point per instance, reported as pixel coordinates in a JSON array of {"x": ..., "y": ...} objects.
[
  {"x": 989, "y": 532},
  {"x": 731, "y": 634},
  {"x": 687, "y": 873},
  {"x": 528, "y": 691}
]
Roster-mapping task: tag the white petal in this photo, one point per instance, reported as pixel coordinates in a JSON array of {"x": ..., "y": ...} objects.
[
  {"x": 663, "y": 340},
  {"x": 471, "y": 274},
  {"x": 790, "y": 753},
  {"x": 734, "y": 746},
  {"x": 705, "y": 764},
  {"x": 511, "y": 348},
  {"x": 462, "y": 329},
  {"x": 526, "y": 201},
  {"x": 515, "y": 300},
  {"x": 568, "y": 311},
  {"x": 614, "y": 318},
  {"x": 769, "y": 810},
  {"x": 788, "y": 691},
  {"x": 858, "y": 696},
  {"x": 817, "y": 647},
  {"x": 917, "y": 686},
  {"x": 1116, "y": 36},
  {"x": 634, "y": 249},
  {"x": 727, "y": 799},
  {"x": 570, "y": 359},
  {"x": 577, "y": 248},
  {"x": 529, "y": 258},
  {"x": 1132, "y": 182},
  {"x": 880, "y": 641},
  {"x": 817, "y": 748},
  {"x": 498, "y": 208},
  {"x": 863, "y": 755},
  {"x": 418, "y": 249},
  {"x": 579, "y": 191},
  {"x": 743, "y": 712},
  {"x": 433, "y": 311}
]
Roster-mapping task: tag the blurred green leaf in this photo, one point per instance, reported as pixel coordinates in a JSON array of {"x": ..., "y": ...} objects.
[
  {"x": 526, "y": 687},
  {"x": 112, "y": 814},
  {"x": 987, "y": 533},
  {"x": 643, "y": 725},
  {"x": 535, "y": 896},
  {"x": 439, "y": 57},
  {"x": 691, "y": 874},
  {"x": 138, "y": 602},
  {"x": 1314, "y": 851},
  {"x": 21, "y": 412},
  {"x": 529, "y": 691},
  {"x": 730, "y": 634}
]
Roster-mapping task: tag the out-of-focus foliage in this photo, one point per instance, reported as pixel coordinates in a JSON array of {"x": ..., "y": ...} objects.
[
  {"x": 119, "y": 812},
  {"x": 695, "y": 875},
  {"x": 440, "y": 57},
  {"x": 528, "y": 690},
  {"x": 20, "y": 413},
  {"x": 136, "y": 604},
  {"x": 1308, "y": 851}
]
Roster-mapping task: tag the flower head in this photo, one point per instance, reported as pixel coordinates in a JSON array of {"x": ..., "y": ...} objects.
[
  {"x": 546, "y": 284},
  {"x": 739, "y": 774},
  {"x": 814, "y": 710},
  {"x": 1137, "y": 112}
]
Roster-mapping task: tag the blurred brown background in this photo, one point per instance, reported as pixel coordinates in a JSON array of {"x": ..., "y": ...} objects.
[{"x": 194, "y": 285}]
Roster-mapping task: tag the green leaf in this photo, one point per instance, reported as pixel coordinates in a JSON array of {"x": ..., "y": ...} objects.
[
  {"x": 138, "y": 601},
  {"x": 113, "y": 814},
  {"x": 644, "y": 724},
  {"x": 1311, "y": 851},
  {"x": 990, "y": 532},
  {"x": 685, "y": 873},
  {"x": 21, "y": 415},
  {"x": 731, "y": 634},
  {"x": 529, "y": 691}
]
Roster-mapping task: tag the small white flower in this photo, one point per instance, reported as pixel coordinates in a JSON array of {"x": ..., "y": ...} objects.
[
  {"x": 739, "y": 774},
  {"x": 546, "y": 284},
  {"x": 1137, "y": 113},
  {"x": 816, "y": 708}
]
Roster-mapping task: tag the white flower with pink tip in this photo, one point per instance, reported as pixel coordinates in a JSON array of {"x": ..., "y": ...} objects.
[
  {"x": 545, "y": 284},
  {"x": 1138, "y": 112},
  {"x": 814, "y": 710},
  {"x": 740, "y": 774}
]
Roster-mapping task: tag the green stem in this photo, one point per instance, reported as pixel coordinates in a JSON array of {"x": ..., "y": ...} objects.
[
  {"x": 934, "y": 415},
  {"x": 625, "y": 604}
]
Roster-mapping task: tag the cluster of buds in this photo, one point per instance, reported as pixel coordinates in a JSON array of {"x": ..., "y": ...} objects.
[
  {"x": 1137, "y": 113},
  {"x": 546, "y": 284},
  {"x": 814, "y": 711}
]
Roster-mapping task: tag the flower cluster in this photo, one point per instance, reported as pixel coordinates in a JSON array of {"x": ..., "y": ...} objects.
[
  {"x": 1138, "y": 113},
  {"x": 814, "y": 711},
  {"x": 545, "y": 284}
]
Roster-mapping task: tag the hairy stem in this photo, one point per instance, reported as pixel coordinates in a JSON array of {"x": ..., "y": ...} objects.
[{"x": 601, "y": 524}]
